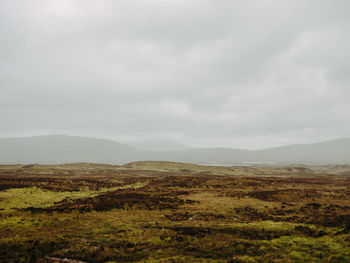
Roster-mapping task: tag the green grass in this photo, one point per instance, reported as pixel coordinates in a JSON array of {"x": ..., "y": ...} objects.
[{"x": 17, "y": 198}]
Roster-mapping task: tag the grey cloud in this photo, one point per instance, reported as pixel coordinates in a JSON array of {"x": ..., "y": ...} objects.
[{"x": 235, "y": 73}]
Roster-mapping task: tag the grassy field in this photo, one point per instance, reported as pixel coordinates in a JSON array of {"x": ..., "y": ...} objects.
[{"x": 170, "y": 212}]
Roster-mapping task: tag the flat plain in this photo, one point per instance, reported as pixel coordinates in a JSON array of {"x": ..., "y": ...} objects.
[{"x": 173, "y": 212}]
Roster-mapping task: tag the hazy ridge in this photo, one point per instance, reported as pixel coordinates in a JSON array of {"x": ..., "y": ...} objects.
[{"x": 56, "y": 149}]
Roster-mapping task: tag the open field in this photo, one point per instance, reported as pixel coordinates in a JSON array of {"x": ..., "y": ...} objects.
[{"x": 170, "y": 212}]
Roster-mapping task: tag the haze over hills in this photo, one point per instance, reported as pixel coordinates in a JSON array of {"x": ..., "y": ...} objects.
[
  {"x": 159, "y": 145},
  {"x": 57, "y": 149}
]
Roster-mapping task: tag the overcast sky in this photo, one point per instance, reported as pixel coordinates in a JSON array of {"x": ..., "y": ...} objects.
[{"x": 243, "y": 74}]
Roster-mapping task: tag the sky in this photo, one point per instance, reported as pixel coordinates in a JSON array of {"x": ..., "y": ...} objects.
[{"x": 243, "y": 74}]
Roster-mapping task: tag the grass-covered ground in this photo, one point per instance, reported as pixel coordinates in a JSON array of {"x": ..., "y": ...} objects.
[{"x": 167, "y": 212}]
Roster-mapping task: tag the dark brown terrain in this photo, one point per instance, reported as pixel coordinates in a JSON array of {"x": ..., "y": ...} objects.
[{"x": 169, "y": 212}]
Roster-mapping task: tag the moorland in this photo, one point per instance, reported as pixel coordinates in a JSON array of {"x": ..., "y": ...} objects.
[{"x": 173, "y": 212}]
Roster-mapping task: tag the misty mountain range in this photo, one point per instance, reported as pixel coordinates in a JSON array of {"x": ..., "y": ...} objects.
[{"x": 58, "y": 149}]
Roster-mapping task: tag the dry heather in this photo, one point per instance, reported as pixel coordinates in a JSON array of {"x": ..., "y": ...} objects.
[{"x": 168, "y": 212}]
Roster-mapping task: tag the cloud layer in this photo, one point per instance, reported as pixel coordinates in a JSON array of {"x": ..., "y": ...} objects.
[{"x": 248, "y": 74}]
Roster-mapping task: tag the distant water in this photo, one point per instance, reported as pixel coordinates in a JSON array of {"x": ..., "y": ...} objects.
[
  {"x": 235, "y": 164},
  {"x": 222, "y": 164},
  {"x": 259, "y": 163}
]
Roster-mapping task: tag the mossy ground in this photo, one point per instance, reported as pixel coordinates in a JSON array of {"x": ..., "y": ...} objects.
[{"x": 166, "y": 217}]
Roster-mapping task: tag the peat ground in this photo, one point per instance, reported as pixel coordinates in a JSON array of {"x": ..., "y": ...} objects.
[{"x": 177, "y": 213}]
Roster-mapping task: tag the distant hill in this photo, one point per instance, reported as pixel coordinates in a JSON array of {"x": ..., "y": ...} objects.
[
  {"x": 328, "y": 152},
  {"x": 57, "y": 149},
  {"x": 159, "y": 145}
]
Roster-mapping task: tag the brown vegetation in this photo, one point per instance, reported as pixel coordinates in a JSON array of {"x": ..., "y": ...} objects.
[{"x": 127, "y": 214}]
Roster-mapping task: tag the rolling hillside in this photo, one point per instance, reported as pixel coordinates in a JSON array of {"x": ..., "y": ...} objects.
[{"x": 56, "y": 149}]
